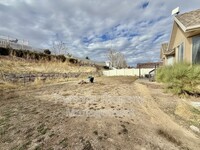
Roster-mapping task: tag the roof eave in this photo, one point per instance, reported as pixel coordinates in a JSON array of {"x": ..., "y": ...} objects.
[
  {"x": 180, "y": 24},
  {"x": 169, "y": 53},
  {"x": 192, "y": 28},
  {"x": 187, "y": 29}
]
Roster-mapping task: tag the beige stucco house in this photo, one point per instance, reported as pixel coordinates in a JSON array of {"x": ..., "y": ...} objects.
[{"x": 184, "y": 43}]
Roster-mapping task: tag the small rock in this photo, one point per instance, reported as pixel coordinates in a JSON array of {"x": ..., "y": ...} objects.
[{"x": 195, "y": 129}]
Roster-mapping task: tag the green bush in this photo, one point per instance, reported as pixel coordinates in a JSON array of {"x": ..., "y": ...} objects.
[{"x": 181, "y": 78}]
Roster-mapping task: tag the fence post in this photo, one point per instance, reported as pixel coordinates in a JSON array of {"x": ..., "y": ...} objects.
[{"x": 139, "y": 72}]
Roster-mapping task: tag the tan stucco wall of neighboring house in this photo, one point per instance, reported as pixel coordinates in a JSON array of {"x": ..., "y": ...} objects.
[{"x": 178, "y": 37}]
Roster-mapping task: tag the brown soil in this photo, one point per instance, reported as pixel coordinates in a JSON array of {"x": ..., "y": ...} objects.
[{"x": 112, "y": 113}]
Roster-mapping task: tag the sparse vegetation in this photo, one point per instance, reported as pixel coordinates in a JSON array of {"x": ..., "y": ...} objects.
[
  {"x": 4, "y": 51},
  {"x": 32, "y": 55},
  {"x": 14, "y": 65},
  {"x": 188, "y": 113},
  {"x": 73, "y": 61},
  {"x": 14, "y": 70},
  {"x": 42, "y": 118},
  {"x": 63, "y": 142},
  {"x": 169, "y": 137},
  {"x": 181, "y": 78}
]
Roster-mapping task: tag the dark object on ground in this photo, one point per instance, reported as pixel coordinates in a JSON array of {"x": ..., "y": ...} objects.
[
  {"x": 91, "y": 79},
  {"x": 106, "y": 67},
  {"x": 147, "y": 76}
]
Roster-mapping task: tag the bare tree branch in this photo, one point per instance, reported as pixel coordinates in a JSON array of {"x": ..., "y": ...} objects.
[
  {"x": 117, "y": 59},
  {"x": 58, "y": 46}
]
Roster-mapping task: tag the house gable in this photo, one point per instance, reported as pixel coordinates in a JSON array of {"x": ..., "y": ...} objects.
[
  {"x": 178, "y": 37},
  {"x": 189, "y": 21},
  {"x": 185, "y": 27}
]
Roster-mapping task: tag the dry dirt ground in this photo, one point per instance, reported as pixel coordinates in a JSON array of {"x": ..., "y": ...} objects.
[{"x": 112, "y": 114}]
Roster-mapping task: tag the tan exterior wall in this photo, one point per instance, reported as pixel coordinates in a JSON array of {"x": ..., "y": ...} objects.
[{"x": 178, "y": 37}]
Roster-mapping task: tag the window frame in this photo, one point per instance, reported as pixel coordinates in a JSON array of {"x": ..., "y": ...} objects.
[
  {"x": 181, "y": 56},
  {"x": 195, "y": 39}
]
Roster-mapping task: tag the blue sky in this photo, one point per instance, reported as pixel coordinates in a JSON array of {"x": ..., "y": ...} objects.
[{"x": 91, "y": 27}]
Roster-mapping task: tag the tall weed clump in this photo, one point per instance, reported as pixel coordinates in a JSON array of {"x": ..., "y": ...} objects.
[{"x": 181, "y": 78}]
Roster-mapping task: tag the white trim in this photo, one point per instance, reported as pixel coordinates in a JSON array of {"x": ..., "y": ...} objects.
[
  {"x": 187, "y": 29},
  {"x": 171, "y": 36},
  {"x": 180, "y": 24},
  {"x": 184, "y": 57},
  {"x": 191, "y": 50},
  {"x": 193, "y": 28}
]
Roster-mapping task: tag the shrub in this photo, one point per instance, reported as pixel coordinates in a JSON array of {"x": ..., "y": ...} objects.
[
  {"x": 73, "y": 61},
  {"x": 4, "y": 51},
  {"x": 19, "y": 53},
  {"x": 47, "y": 51},
  {"x": 181, "y": 78},
  {"x": 48, "y": 58},
  {"x": 61, "y": 58}
]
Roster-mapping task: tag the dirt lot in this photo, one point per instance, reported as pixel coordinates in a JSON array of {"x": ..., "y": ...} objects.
[{"x": 112, "y": 114}]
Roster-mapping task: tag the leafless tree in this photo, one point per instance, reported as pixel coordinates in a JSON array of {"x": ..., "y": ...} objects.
[
  {"x": 116, "y": 59},
  {"x": 59, "y": 47}
]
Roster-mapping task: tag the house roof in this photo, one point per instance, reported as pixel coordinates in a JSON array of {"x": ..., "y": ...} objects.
[
  {"x": 163, "y": 49},
  {"x": 189, "y": 21},
  {"x": 149, "y": 65}
]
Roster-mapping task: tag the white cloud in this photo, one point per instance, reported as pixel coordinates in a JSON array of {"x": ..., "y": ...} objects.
[{"x": 90, "y": 27}]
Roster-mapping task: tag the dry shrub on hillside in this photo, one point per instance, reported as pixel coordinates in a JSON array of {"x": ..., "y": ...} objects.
[{"x": 24, "y": 66}]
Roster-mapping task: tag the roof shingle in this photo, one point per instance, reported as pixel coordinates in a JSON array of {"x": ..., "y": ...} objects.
[{"x": 190, "y": 19}]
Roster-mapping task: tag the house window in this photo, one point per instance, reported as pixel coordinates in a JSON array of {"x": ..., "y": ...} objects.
[
  {"x": 196, "y": 50},
  {"x": 180, "y": 53},
  {"x": 170, "y": 60}
]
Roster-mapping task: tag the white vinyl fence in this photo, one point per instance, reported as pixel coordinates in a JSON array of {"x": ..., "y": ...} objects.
[{"x": 128, "y": 72}]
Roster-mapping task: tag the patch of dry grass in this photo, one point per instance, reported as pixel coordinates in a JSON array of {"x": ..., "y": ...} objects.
[
  {"x": 39, "y": 82},
  {"x": 24, "y": 66},
  {"x": 169, "y": 136},
  {"x": 188, "y": 113},
  {"x": 9, "y": 65},
  {"x": 7, "y": 85}
]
